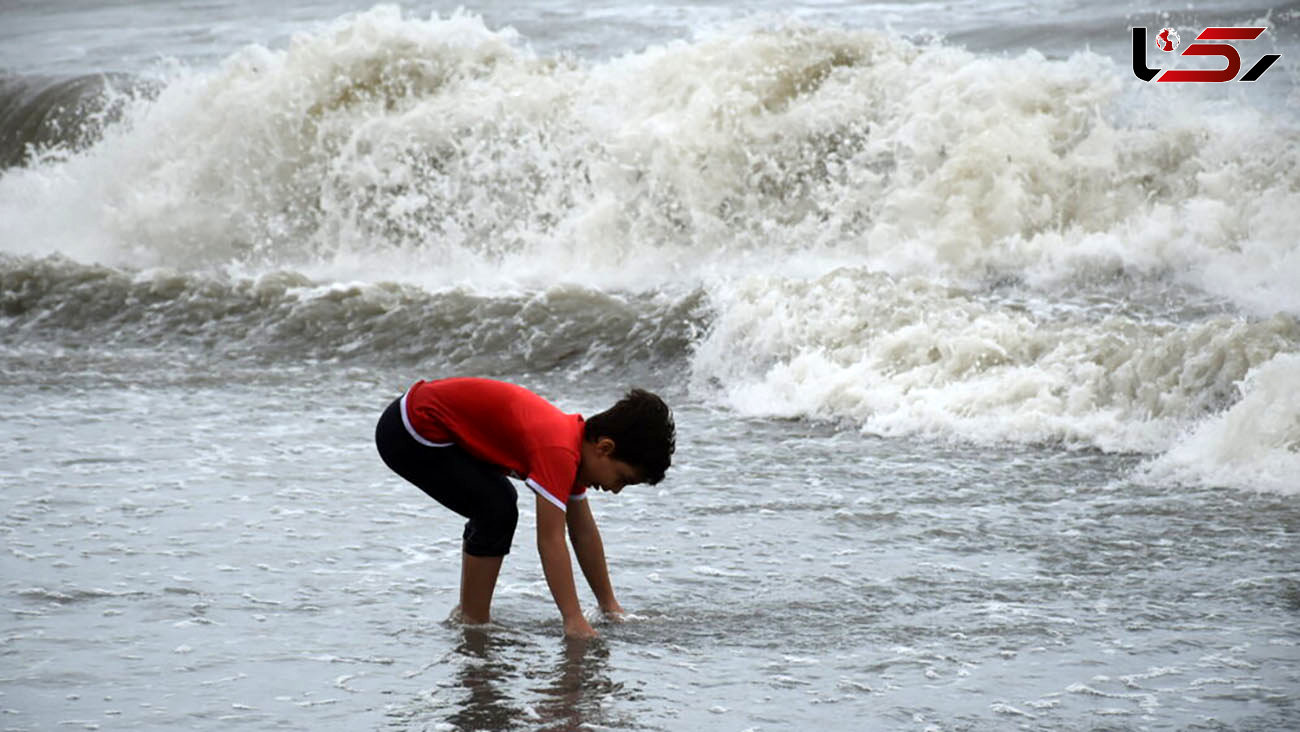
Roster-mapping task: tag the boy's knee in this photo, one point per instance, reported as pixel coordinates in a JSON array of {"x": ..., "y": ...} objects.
[
  {"x": 487, "y": 543},
  {"x": 492, "y": 536},
  {"x": 509, "y": 515}
]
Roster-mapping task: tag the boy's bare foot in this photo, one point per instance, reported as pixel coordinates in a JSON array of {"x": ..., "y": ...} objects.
[
  {"x": 613, "y": 613},
  {"x": 578, "y": 628},
  {"x": 458, "y": 616}
]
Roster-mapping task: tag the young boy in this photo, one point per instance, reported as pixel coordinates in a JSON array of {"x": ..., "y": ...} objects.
[{"x": 457, "y": 439}]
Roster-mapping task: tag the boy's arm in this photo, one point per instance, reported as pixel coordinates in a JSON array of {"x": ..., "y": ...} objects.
[
  {"x": 591, "y": 554},
  {"x": 559, "y": 572}
]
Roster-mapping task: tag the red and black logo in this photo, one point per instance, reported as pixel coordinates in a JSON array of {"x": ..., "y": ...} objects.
[{"x": 1167, "y": 40}]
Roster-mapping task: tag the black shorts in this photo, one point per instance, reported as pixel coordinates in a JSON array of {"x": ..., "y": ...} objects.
[{"x": 471, "y": 487}]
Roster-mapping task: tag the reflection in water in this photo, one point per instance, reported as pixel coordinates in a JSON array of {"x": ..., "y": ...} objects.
[
  {"x": 575, "y": 692},
  {"x": 484, "y": 675},
  {"x": 501, "y": 681}
]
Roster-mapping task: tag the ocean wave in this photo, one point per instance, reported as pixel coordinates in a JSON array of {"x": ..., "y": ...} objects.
[
  {"x": 811, "y": 221},
  {"x": 286, "y": 316},
  {"x": 908, "y": 356},
  {"x": 1254, "y": 445},
  {"x": 384, "y": 140},
  {"x": 40, "y": 115}
]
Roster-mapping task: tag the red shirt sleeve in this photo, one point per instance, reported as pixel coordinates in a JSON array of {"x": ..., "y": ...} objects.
[{"x": 553, "y": 473}]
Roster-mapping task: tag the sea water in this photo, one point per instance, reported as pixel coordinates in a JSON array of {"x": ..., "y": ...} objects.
[{"x": 984, "y": 355}]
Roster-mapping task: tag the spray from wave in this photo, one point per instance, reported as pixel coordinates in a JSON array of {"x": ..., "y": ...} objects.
[
  {"x": 814, "y": 222},
  {"x": 910, "y": 356},
  {"x": 1255, "y": 443}
]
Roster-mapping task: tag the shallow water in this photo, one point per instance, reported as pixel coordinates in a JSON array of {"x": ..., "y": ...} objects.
[{"x": 212, "y": 555}]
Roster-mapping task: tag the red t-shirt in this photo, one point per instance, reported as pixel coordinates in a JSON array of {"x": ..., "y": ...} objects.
[{"x": 503, "y": 424}]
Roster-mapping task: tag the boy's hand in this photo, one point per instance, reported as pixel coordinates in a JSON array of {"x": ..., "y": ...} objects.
[{"x": 579, "y": 629}]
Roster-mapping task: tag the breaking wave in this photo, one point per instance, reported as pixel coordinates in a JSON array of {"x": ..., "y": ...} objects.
[
  {"x": 813, "y": 222},
  {"x": 284, "y": 315}
]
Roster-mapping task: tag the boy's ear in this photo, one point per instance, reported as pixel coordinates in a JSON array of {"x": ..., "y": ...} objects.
[{"x": 604, "y": 446}]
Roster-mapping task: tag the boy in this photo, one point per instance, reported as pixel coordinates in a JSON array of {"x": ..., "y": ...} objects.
[{"x": 457, "y": 439}]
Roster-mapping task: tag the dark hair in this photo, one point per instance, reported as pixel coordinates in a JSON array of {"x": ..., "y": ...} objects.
[{"x": 642, "y": 429}]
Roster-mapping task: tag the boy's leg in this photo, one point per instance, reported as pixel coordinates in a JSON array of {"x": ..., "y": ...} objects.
[
  {"x": 487, "y": 540},
  {"x": 478, "y": 578},
  {"x": 470, "y": 487}
]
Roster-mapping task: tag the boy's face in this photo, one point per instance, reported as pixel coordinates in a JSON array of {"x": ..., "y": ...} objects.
[{"x": 600, "y": 469}]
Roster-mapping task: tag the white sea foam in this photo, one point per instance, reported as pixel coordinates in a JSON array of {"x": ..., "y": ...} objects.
[
  {"x": 439, "y": 150},
  {"x": 909, "y": 356},
  {"x": 843, "y": 198},
  {"x": 1254, "y": 445}
]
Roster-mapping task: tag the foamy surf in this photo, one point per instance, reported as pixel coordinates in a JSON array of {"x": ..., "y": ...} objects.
[
  {"x": 1254, "y": 444},
  {"x": 912, "y": 357},
  {"x": 812, "y": 222}
]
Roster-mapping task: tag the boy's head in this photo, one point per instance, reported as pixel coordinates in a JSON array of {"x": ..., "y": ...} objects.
[{"x": 631, "y": 442}]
